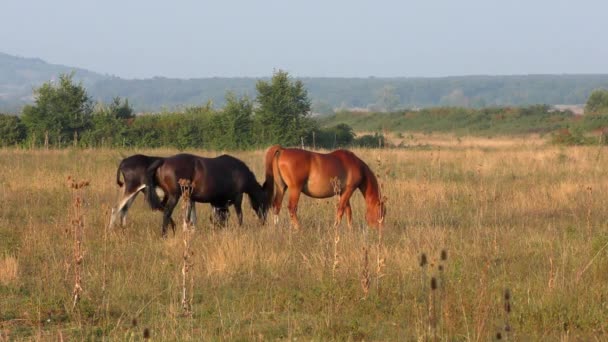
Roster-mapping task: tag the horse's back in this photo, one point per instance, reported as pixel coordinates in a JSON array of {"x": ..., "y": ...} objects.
[
  {"x": 318, "y": 174},
  {"x": 134, "y": 168}
]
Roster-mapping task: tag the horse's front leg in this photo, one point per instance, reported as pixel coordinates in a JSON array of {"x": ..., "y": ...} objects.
[
  {"x": 238, "y": 207},
  {"x": 349, "y": 215},
  {"x": 344, "y": 206}
]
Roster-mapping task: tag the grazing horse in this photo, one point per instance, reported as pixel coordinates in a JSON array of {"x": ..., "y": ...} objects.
[
  {"x": 133, "y": 171},
  {"x": 321, "y": 175},
  {"x": 220, "y": 181}
]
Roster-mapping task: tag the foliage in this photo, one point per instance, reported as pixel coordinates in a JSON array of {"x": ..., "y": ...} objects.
[
  {"x": 340, "y": 135},
  {"x": 597, "y": 103},
  {"x": 370, "y": 141},
  {"x": 18, "y": 76},
  {"x": 381, "y": 93},
  {"x": 283, "y": 112},
  {"x": 61, "y": 110},
  {"x": 12, "y": 130},
  {"x": 280, "y": 113},
  {"x": 238, "y": 122},
  {"x": 572, "y": 137},
  {"x": 498, "y": 120}
]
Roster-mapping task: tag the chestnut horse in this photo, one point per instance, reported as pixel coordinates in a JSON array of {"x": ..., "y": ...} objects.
[
  {"x": 321, "y": 175},
  {"x": 220, "y": 181}
]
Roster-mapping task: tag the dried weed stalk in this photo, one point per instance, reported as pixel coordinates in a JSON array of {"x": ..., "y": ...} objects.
[
  {"x": 77, "y": 230},
  {"x": 186, "y": 190}
]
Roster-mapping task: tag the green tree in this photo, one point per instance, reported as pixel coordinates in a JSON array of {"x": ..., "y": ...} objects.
[
  {"x": 61, "y": 110},
  {"x": 238, "y": 118},
  {"x": 12, "y": 130},
  {"x": 597, "y": 103},
  {"x": 108, "y": 124},
  {"x": 121, "y": 109},
  {"x": 283, "y": 113}
]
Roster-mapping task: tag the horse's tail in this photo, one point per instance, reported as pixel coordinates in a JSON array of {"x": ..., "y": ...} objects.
[
  {"x": 118, "y": 173},
  {"x": 151, "y": 195},
  {"x": 272, "y": 172}
]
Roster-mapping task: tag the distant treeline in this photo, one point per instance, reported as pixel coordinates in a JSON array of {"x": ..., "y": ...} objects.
[
  {"x": 19, "y": 75},
  {"x": 375, "y": 94},
  {"x": 563, "y": 126},
  {"x": 64, "y": 115}
]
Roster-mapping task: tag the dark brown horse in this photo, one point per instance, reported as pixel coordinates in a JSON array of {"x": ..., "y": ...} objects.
[
  {"x": 220, "y": 181},
  {"x": 321, "y": 176},
  {"x": 133, "y": 171}
]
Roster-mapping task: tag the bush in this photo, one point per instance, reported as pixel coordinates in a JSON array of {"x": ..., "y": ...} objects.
[
  {"x": 12, "y": 130},
  {"x": 370, "y": 141}
]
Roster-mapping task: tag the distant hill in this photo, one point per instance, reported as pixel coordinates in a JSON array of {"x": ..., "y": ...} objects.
[{"x": 18, "y": 76}]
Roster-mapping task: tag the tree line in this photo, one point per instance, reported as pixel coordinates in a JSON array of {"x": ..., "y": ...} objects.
[
  {"x": 370, "y": 93},
  {"x": 63, "y": 114}
]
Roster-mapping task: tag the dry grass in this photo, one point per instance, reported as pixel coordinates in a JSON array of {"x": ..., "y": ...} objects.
[
  {"x": 8, "y": 270},
  {"x": 529, "y": 218}
]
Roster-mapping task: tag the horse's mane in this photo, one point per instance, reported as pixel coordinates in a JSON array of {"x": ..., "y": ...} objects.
[{"x": 370, "y": 187}]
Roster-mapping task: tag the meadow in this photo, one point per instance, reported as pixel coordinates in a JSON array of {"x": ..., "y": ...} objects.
[{"x": 483, "y": 240}]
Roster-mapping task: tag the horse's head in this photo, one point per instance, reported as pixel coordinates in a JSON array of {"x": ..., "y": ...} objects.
[
  {"x": 375, "y": 213},
  {"x": 260, "y": 204}
]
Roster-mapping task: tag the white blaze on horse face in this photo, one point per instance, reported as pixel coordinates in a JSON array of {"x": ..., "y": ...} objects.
[{"x": 159, "y": 191}]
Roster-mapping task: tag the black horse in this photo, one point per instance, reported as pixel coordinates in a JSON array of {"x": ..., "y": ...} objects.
[
  {"x": 133, "y": 171},
  {"x": 220, "y": 181}
]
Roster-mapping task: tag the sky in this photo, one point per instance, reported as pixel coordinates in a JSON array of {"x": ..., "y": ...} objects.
[{"x": 313, "y": 38}]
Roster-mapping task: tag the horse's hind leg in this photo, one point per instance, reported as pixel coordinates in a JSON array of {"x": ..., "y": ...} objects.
[
  {"x": 120, "y": 211},
  {"x": 276, "y": 203},
  {"x": 190, "y": 217},
  {"x": 125, "y": 209},
  {"x": 294, "y": 197},
  {"x": 193, "y": 213},
  {"x": 171, "y": 203}
]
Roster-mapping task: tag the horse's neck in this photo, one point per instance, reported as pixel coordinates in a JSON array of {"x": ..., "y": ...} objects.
[{"x": 371, "y": 190}]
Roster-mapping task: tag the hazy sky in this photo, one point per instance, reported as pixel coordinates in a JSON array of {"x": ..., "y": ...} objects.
[{"x": 186, "y": 39}]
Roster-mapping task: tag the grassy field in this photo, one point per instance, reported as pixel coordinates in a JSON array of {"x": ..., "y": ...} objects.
[{"x": 527, "y": 219}]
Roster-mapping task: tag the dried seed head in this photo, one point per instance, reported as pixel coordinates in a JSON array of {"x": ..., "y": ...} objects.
[
  {"x": 507, "y": 307},
  {"x": 134, "y": 322},
  {"x": 440, "y": 268},
  {"x": 423, "y": 260},
  {"x": 146, "y": 333},
  {"x": 433, "y": 283},
  {"x": 507, "y": 294},
  {"x": 507, "y": 328},
  {"x": 444, "y": 255},
  {"x": 498, "y": 336}
]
